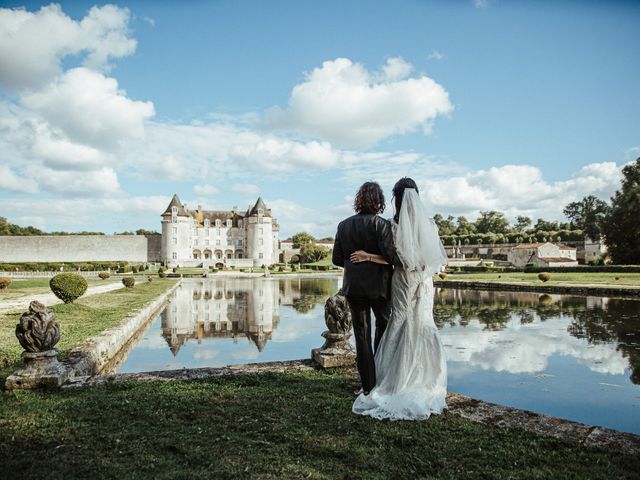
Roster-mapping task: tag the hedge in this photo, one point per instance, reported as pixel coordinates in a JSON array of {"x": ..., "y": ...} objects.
[
  {"x": 68, "y": 286},
  {"x": 55, "y": 266},
  {"x": 587, "y": 269}
]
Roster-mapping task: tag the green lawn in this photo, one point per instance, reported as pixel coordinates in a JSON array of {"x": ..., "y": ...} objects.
[
  {"x": 21, "y": 287},
  {"x": 276, "y": 426},
  {"x": 621, "y": 279},
  {"x": 84, "y": 318}
]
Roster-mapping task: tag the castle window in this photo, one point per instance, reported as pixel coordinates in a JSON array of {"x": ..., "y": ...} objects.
[
  {"x": 260, "y": 220},
  {"x": 261, "y": 230},
  {"x": 260, "y": 255},
  {"x": 239, "y": 243},
  {"x": 174, "y": 240},
  {"x": 262, "y": 241},
  {"x": 206, "y": 232},
  {"x": 206, "y": 241},
  {"x": 217, "y": 242},
  {"x": 218, "y": 231},
  {"x": 175, "y": 229},
  {"x": 206, "y": 223},
  {"x": 260, "y": 211},
  {"x": 174, "y": 219},
  {"x": 195, "y": 241},
  {"x": 174, "y": 210},
  {"x": 218, "y": 223},
  {"x": 174, "y": 256},
  {"x": 239, "y": 223},
  {"x": 229, "y": 223}
]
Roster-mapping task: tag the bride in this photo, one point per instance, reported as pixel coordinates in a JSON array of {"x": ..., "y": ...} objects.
[{"x": 410, "y": 360}]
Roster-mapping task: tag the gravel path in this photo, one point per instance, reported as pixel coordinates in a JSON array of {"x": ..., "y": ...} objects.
[{"x": 22, "y": 303}]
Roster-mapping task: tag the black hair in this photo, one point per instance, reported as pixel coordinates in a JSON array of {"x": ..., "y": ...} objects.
[
  {"x": 369, "y": 199},
  {"x": 398, "y": 193}
]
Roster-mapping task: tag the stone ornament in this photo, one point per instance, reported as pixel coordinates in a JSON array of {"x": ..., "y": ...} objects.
[
  {"x": 336, "y": 351},
  {"x": 38, "y": 330}
]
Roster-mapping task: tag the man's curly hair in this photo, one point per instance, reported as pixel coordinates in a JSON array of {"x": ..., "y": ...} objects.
[{"x": 369, "y": 199}]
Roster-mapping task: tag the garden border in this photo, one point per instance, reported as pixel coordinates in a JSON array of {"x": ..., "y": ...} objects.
[{"x": 574, "y": 289}]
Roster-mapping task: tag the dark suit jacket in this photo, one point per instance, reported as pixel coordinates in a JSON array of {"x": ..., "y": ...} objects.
[{"x": 372, "y": 234}]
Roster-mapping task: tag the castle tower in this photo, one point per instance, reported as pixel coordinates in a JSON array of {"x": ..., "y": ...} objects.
[
  {"x": 260, "y": 235},
  {"x": 176, "y": 233}
]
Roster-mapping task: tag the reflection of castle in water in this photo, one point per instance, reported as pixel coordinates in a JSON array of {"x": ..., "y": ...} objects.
[{"x": 235, "y": 308}]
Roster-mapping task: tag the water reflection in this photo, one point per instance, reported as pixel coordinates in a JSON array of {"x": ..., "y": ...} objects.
[
  {"x": 517, "y": 332},
  {"x": 237, "y": 307}
]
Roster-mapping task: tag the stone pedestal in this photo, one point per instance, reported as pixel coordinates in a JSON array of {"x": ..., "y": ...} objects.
[
  {"x": 336, "y": 352},
  {"x": 41, "y": 369}
]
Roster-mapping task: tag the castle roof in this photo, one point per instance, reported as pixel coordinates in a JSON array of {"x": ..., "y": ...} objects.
[
  {"x": 175, "y": 202},
  {"x": 260, "y": 205}
]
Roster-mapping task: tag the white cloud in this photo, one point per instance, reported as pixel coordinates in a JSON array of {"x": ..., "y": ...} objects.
[
  {"x": 518, "y": 190},
  {"x": 345, "y": 104},
  {"x": 205, "y": 189},
  {"x": 436, "y": 55},
  {"x": 90, "y": 183},
  {"x": 33, "y": 44},
  {"x": 11, "y": 182},
  {"x": 481, "y": 3},
  {"x": 277, "y": 155},
  {"x": 245, "y": 188},
  {"x": 89, "y": 108}
]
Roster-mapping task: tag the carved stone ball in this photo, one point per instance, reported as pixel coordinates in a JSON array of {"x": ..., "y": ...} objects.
[
  {"x": 38, "y": 329},
  {"x": 337, "y": 314}
]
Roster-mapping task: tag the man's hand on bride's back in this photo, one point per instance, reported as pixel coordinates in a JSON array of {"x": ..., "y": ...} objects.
[{"x": 359, "y": 256}]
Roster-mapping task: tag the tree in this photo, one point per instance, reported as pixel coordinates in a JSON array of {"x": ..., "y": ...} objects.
[
  {"x": 621, "y": 225},
  {"x": 464, "y": 226},
  {"x": 587, "y": 215},
  {"x": 445, "y": 225},
  {"x": 302, "y": 238},
  {"x": 492, "y": 222},
  {"x": 314, "y": 253},
  {"x": 142, "y": 231},
  {"x": 522, "y": 223},
  {"x": 546, "y": 226}
]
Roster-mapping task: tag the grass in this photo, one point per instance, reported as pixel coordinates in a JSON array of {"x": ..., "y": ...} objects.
[
  {"x": 188, "y": 271},
  {"x": 20, "y": 287},
  {"x": 84, "y": 318},
  {"x": 290, "y": 425},
  {"x": 618, "y": 279}
]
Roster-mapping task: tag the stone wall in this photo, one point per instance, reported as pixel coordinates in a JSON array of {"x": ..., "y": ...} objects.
[
  {"x": 75, "y": 248},
  {"x": 154, "y": 248}
]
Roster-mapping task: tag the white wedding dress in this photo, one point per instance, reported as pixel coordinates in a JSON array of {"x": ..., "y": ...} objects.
[{"x": 411, "y": 368}]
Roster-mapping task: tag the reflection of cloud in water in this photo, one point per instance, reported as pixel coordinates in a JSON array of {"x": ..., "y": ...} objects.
[
  {"x": 527, "y": 348},
  {"x": 154, "y": 341},
  {"x": 204, "y": 353},
  {"x": 292, "y": 330},
  {"x": 245, "y": 353}
]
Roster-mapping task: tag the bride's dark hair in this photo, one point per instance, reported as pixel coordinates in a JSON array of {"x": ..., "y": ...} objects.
[{"x": 398, "y": 193}]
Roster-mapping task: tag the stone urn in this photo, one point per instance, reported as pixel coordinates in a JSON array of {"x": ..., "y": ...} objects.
[
  {"x": 38, "y": 332},
  {"x": 336, "y": 351}
]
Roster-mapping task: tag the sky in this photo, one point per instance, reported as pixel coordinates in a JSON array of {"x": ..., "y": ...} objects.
[{"x": 107, "y": 110}]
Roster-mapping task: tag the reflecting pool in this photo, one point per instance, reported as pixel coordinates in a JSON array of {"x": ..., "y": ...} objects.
[{"x": 568, "y": 356}]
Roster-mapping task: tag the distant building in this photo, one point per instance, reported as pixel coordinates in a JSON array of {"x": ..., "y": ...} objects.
[
  {"x": 543, "y": 254},
  {"x": 219, "y": 238}
]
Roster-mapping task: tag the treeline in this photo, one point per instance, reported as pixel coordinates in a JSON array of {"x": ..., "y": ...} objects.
[{"x": 11, "y": 229}]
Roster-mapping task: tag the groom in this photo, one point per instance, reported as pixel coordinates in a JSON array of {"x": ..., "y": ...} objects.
[{"x": 366, "y": 285}]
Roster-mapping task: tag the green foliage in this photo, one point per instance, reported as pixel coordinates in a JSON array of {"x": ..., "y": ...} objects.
[
  {"x": 104, "y": 275},
  {"x": 522, "y": 223},
  {"x": 302, "y": 238},
  {"x": 68, "y": 286},
  {"x": 134, "y": 269},
  {"x": 56, "y": 266},
  {"x": 149, "y": 278},
  {"x": 621, "y": 226},
  {"x": 4, "y": 282},
  {"x": 175, "y": 270},
  {"x": 544, "y": 276},
  {"x": 313, "y": 252},
  {"x": 446, "y": 226},
  {"x": 588, "y": 214},
  {"x": 128, "y": 282},
  {"x": 162, "y": 273},
  {"x": 491, "y": 221},
  {"x": 442, "y": 275},
  {"x": 281, "y": 268}
]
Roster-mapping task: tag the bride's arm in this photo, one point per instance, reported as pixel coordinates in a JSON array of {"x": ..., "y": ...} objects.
[{"x": 360, "y": 256}]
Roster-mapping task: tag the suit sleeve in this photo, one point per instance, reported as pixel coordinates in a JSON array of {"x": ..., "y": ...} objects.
[
  {"x": 338, "y": 255},
  {"x": 386, "y": 245}
]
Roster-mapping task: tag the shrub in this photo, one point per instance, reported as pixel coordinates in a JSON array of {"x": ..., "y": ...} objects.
[
  {"x": 68, "y": 286},
  {"x": 442, "y": 275},
  {"x": 175, "y": 270},
  {"x": 544, "y": 276},
  {"x": 128, "y": 282},
  {"x": 162, "y": 274},
  {"x": 4, "y": 282},
  {"x": 104, "y": 275},
  {"x": 281, "y": 268},
  {"x": 134, "y": 269},
  {"x": 294, "y": 267},
  {"x": 149, "y": 279}
]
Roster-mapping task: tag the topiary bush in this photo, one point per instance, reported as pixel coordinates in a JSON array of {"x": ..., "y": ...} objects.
[
  {"x": 544, "y": 276},
  {"x": 281, "y": 268},
  {"x": 175, "y": 269},
  {"x": 104, "y": 275},
  {"x": 442, "y": 275},
  {"x": 134, "y": 269},
  {"x": 162, "y": 274},
  {"x": 68, "y": 286},
  {"x": 4, "y": 282},
  {"x": 128, "y": 282},
  {"x": 149, "y": 279}
]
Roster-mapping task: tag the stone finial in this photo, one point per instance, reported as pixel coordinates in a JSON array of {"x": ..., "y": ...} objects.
[
  {"x": 38, "y": 330},
  {"x": 337, "y": 350}
]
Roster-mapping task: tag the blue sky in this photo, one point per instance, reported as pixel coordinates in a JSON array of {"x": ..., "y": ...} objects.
[{"x": 107, "y": 110}]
